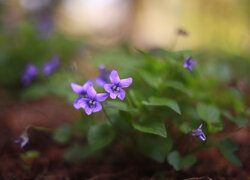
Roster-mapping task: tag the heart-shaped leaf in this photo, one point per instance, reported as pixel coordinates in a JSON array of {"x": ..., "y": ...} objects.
[
  {"x": 151, "y": 125},
  {"x": 179, "y": 162},
  {"x": 227, "y": 148},
  {"x": 208, "y": 113},
  {"x": 100, "y": 136},
  {"x": 156, "y": 101},
  {"x": 155, "y": 147}
]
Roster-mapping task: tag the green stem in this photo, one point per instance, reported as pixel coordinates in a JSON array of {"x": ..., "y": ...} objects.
[
  {"x": 39, "y": 128},
  {"x": 198, "y": 148},
  {"x": 129, "y": 100},
  {"x": 106, "y": 115},
  {"x": 231, "y": 134},
  {"x": 123, "y": 140}
]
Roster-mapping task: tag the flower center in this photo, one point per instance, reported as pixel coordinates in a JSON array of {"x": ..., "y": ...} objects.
[
  {"x": 189, "y": 62},
  {"x": 92, "y": 103},
  {"x": 84, "y": 95},
  {"x": 116, "y": 88}
]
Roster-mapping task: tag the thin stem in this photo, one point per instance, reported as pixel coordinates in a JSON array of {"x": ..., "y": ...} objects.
[
  {"x": 106, "y": 115},
  {"x": 122, "y": 139},
  {"x": 129, "y": 100},
  {"x": 39, "y": 128},
  {"x": 231, "y": 134},
  {"x": 198, "y": 148}
]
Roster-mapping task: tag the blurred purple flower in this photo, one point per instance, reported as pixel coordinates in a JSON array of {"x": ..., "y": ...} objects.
[
  {"x": 199, "y": 134},
  {"x": 29, "y": 73},
  {"x": 44, "y": 26},
  {"x": 104, "y": 76},
  {"x": 23, "y": 139},
  {"x": 82, "y": 91},
  {"x": 91, "y": 103},
  {"x": 50, "y": 66},
  {"x": 115, "y": 89},
  {"x": 189, "y": 63}
]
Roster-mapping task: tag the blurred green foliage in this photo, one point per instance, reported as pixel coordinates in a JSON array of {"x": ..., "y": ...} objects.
[{"x": 23, "y": 45}]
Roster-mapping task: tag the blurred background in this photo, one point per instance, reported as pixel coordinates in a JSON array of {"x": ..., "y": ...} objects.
[
  {"x": 218, "y": 25},
  {"x": 35, "y": 30}
]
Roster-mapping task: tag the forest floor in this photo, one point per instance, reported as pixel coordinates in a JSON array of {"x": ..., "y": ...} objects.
[{"x": 118, "y": 163}]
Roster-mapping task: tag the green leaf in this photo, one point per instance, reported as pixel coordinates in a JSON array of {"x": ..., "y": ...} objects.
[
  {"x": 182, "y": 125},
  {"x": 208, "y": 113},
  {"x": 215, "y": 128},
  {"x": 155, "y": 147},
  {"x": 120, "y": 106},
  {"x": 179, "y": 86},
  {"x": 227, "y": 115},
  {"x": 100, "y": 136},
  {"x": 179, "y": 162},
  {"x": 30, "y": 154},
  {"x": 236, "y": 99},
  {"x": 150, "y": 60},
  {"x": 150, "y": 78},
  {"x": 241, "y": 121},
  {"x": 77, "y": 152},
  {"x": 156, "y": 101},
  {"x": 136, "y": 97},
  {"x": 81, "y": 126},
  {"x": 62, "y": 134},
  {"x": 185, "y": 127},
  {"x": 227, "y": 148},
  {"x": 247, "y": 112},
  {"x": 151, "y": 125}
]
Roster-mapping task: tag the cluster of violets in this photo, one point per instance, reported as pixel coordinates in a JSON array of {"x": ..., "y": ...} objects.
[
  {"x": 89, "y": 100},
  {"x": 31, "y": 71}
]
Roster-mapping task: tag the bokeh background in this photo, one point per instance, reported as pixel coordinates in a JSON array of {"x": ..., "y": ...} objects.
[
  {"x": 218, "y": 25},
  {"x": 218, "y": 29}
]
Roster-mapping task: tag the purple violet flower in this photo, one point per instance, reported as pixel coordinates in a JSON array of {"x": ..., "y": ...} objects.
[
  {"x": 23, "y": 139},
  {"x": 115, "y": 89},
  {"x": 104, "y": 76},
  {"x": 91, "y": 103},
  {"x": 29, "y": 73},
  {"x": 199, "y": 134},
  {"x": 82, "y": 91},
  {"x": 50, "y": 66},
  {"x": 189, "y": 63}
]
